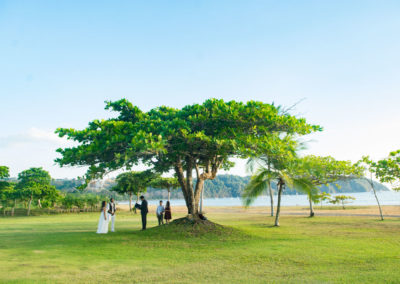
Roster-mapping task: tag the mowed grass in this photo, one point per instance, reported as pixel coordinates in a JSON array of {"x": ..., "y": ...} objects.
[{"x": 65, "y": 249}]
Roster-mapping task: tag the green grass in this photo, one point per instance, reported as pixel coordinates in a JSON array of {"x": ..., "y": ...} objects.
[{"x": 65, "y": 249}]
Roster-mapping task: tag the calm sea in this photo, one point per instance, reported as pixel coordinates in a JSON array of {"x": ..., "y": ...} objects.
[{"x": 362, "y": 198}]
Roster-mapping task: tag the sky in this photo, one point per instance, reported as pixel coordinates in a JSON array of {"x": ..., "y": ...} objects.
[{"x": 60, "y": 60}]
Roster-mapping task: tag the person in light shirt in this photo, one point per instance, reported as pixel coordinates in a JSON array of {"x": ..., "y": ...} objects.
[{"x": 160, "y": 213}]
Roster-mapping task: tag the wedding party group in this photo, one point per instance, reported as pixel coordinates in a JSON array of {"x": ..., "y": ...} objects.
[{"x": 107, "y": 214}]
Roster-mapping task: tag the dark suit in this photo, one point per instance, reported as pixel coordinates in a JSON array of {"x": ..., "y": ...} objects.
[{"x": 143, "y": 211}]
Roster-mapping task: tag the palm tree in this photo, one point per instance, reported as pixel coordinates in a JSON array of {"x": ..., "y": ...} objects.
[
  {"x": 264, "y": 175},
  {"x": 261, "y": 183}
]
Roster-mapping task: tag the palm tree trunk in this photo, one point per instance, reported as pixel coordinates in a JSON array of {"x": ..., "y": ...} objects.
[
  {"x": 278, "y": 207},
  {"x": 376, "y": 197},
  {"x": 271, "y": 198},
  {"x": 311, "y": 206}
]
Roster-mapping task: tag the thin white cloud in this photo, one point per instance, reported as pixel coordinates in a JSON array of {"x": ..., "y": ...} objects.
[
  {"x": 35, "y": 148},
  {"x": 34, "y": 135}
]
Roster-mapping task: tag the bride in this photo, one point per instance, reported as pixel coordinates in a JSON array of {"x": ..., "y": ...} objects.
[{"x": 102, "y": 228}]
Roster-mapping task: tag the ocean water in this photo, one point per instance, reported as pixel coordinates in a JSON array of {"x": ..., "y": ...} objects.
[{"x": 362, "y": 198}]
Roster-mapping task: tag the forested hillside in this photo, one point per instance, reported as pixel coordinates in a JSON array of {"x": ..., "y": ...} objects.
[{"x": 221, "y": 186}]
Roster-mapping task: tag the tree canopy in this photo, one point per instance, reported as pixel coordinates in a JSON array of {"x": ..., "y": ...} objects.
[
  {"x": 167, "y": 183},
  {"x": 35, "y": 183},
  {"x": 388, "y": 169},
  {"x": 324, "y": 170},
  {"x": 133, "y": 183},
  {"x": 198, "y": 138},
  {"x": 4, "y": 172}
]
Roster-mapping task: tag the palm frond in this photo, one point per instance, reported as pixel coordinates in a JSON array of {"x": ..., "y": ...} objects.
[
  {"x": 306, "y": 186},
  {"x": 251, "y": 165},
  {"x": 258, "y": 184},
  {"x": 285, "y": 176}
]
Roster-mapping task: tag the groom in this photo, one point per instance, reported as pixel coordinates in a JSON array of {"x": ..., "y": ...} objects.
[
  {"x": 143, "y": 211},
  {"x": 111, "y": 213}
]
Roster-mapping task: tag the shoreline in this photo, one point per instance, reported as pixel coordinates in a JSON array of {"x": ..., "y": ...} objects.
[{"x": 329, "y": 210}]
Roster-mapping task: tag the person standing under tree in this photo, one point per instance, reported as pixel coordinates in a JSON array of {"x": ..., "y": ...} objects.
[
  {"x": 143, "y": 211},
  {"x": 111, "y": 213},
  {"x": 167, "y": 215},
  {"x": 160, "y": 214}
]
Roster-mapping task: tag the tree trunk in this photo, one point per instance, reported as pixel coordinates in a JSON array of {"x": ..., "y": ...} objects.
[
  {"x": 39, "y": 204},
  {"x": 192, "y": 197},
  {"x": 271, "y": 198},
  {"x": 198, "y": 194},
  {"x": 311, "y": 206},
  {"x": 130, "y": 201},
  {"x": 192, "y": 205},
  {"x": 169, "y": 194},
  {"x": 201, "y": 202},
  {"x": 15, "y": 205},
  {"x": 343, "y": 204},
  {"x": 29, "y": 206},
  {"x": 182, "y": 182},
  {"x": 376, "y": 197},
  {"x": 278, "y": 207},
  {"x": 187, "y": 185}
]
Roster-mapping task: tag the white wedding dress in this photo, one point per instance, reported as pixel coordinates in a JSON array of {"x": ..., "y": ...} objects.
[{"x": 102, "y": 228}]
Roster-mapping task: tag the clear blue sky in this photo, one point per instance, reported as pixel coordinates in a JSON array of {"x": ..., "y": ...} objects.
[{"x": 61, "y": 59}]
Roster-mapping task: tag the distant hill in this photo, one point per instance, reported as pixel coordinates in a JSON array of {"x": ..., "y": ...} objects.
[
  {"x": 221, "y": 186},
  {"x": 232, "y": 186}
]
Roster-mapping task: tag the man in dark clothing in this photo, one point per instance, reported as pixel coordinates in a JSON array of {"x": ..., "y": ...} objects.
[{"x": 143, "y": 211}]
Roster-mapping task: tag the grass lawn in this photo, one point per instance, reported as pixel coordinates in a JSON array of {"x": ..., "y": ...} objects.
[{"x": 65, "y": 249}]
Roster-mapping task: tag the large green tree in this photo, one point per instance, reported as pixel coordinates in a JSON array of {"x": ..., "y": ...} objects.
[
  {"x": 133, "y": 183},
  {"x": 322, "y": 171},
  {"x": 198, "y": 140},
  {"x": 167, "y": 183},
  {"x": 34, "y": 183}
]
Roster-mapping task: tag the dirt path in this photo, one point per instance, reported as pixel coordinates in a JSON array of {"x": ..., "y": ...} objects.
[{"x": 338, "y": 214}]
